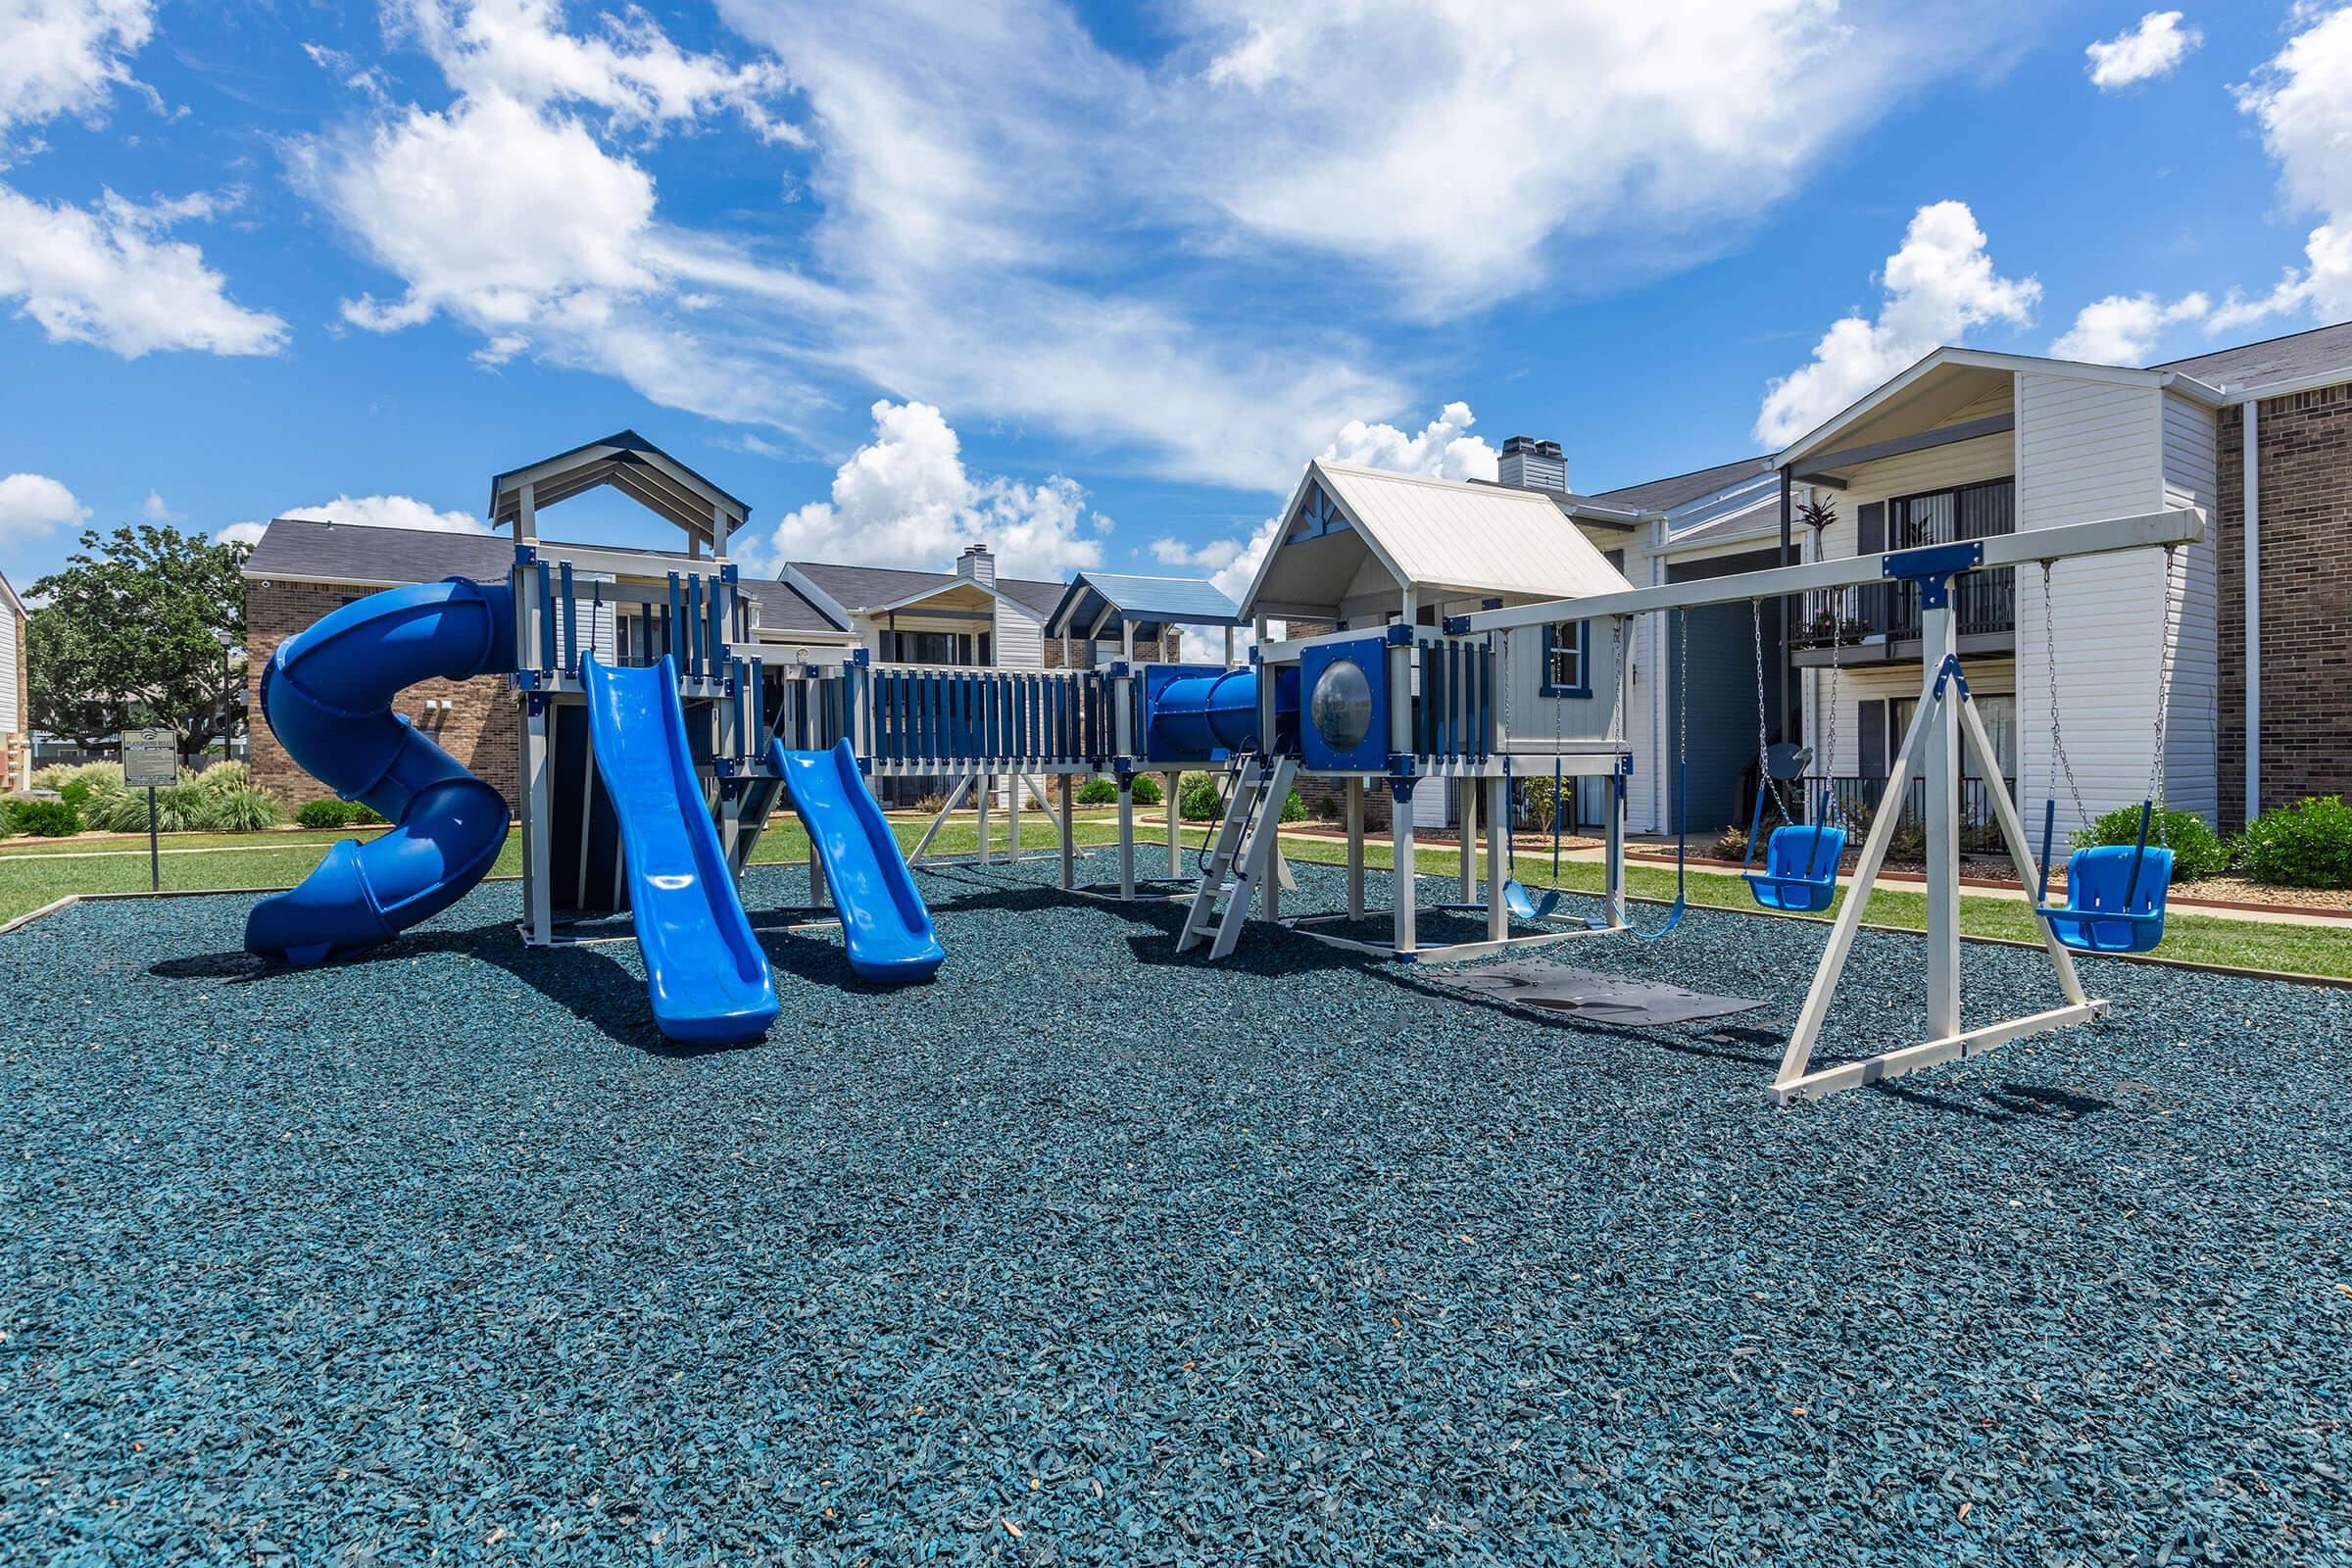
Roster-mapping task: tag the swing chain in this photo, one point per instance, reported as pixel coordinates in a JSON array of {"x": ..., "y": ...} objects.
[
  {"x": 2050, "y": 664},
  {"x": 1828, "y": 750},
  {"x": 2164, "y": 691},
  {"x": 1764, "y": 779}
]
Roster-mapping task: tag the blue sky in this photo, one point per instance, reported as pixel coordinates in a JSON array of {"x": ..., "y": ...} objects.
[{"x": 1091, "y": 283}]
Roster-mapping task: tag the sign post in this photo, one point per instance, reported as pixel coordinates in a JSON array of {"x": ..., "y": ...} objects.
[{"x": 150, "y": 757}]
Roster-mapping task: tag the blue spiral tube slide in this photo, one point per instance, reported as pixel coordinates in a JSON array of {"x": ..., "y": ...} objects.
[{"x": 326, "y": 693}]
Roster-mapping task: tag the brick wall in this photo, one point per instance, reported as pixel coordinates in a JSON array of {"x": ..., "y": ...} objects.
[
  {"x": 1163, "y": 650},
  {"x": 478, "y": 729},
  {"x": 2306, "y": 470}
]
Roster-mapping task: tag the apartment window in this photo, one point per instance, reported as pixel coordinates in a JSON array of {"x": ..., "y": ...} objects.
[
  {"x": 1568, "y": 658},
  {"x": 1882, "y": 735}
]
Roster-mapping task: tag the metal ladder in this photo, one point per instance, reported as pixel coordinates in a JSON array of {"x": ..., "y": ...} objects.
[{"x": 1245, "y": 850}]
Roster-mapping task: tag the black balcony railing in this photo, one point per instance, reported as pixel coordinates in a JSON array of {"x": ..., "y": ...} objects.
[
  {"x": 1982, "y": 601},
  {"x": 1859, "y": 800}
]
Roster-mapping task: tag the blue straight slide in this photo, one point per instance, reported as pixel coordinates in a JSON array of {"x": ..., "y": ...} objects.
[
  {"x": 328, "y": 693},
  {"x": 883, "y": 920},
  {"x": 710, "y": 981}
]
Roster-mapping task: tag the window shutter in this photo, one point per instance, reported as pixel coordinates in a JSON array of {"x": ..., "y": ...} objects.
[
  {"x": 1871, "y": 723},
  {"x": 1870, "y": 529}
]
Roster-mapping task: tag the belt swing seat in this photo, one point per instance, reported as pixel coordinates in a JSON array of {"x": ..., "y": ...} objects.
[
  {"x": 1800, "y": 860},
  {"x": 2114, "y": 896}
]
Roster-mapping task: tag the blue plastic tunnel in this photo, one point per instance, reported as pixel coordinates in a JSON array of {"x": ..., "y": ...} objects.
[{"x": 326, "y": 693}]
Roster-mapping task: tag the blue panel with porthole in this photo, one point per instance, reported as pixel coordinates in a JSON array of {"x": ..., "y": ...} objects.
[{"x": 1343, "y": 706}]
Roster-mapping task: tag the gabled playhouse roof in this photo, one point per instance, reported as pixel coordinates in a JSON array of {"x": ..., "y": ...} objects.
[
  {"x": 1097, "y": 604},
  {"x": 638, "y": 469},
  {"x": 1438, "y": 534}
]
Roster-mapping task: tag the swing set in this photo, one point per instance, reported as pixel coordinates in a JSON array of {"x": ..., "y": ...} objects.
[{"x": 2114, "y": 894}]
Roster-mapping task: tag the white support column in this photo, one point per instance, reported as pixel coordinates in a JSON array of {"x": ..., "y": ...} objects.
[
  {"x": 1012, "y": 816},
  {"x": 538, "y": 822},
  {"x": 1465, "y": 792},
  {"x": 1356, "y": 849},
  {"x": 1498, "y": 823},
  {"x": 1941, "y": 783},
  {"x": 1175, "y": 847},
  {"x": 821, "y": 891},
  {"x": 1069, "y": 835},
  {"x": 1127, "y": 836},
  {"x": 1229, "y": 647},
  {"x": 986, "y": 785},
  {"x": 1612, "y": 855},
  {"x": 1400, "y": 844}
]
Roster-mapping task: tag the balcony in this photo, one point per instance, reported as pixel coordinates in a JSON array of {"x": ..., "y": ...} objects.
[{"x": 1880, "y": 620}]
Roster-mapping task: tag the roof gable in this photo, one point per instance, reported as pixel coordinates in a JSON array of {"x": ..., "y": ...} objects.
[{"x": 1423, "y": 532}]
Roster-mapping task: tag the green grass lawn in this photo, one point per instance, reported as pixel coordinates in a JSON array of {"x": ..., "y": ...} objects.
[
  {"x": 2322, "y": 949},
  {"x": 41, "y": 871},
  {"x": 36, "y": 874}
]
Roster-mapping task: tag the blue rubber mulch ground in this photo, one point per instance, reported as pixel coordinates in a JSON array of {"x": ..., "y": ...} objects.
[{"x": 1089, "y": 1254}]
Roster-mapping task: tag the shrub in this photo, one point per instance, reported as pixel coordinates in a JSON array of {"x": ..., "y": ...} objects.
[
  {"x": 932, "y": 805},
  {"x": 2306, "y": 845},
  {"x": 76, "y": 782},
  {"x": 1147, "y": 790},
  {"x": 323, "y": 813},
  {"x": 1099, "y": 791},
  {"x": 187, "y": 806},
  {"x": 1730, "y": 845},
  {"x": 1330, "y": 806},
  {"x": 1198, "y": 799},
  {"x": 2197, "y": 850},
  {"x": 223, "y": 778},
  {"x": 329, "y": 813},
  {"x": 241, "y": 811},
  {"x": 48, "y": 820},
  {"x": 1293, "y": 809}
]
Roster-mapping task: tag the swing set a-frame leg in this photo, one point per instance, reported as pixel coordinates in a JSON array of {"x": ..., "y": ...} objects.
[{"x": 1794, "y": 1080}]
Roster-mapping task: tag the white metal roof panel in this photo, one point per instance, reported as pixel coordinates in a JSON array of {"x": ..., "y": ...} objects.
[{"x": 1483, "y": 538}]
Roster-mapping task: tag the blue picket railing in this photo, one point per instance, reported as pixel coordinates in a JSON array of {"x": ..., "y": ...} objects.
[{"x": 1453, "y": 716}]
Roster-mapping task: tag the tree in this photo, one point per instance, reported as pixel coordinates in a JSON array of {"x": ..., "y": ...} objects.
[{"x": 145, "y": 626}]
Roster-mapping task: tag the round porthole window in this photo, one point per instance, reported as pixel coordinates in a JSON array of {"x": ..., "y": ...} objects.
[{"x": 1340, "y": 707}]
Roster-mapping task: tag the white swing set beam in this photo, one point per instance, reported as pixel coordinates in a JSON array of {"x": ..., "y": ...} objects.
[{"x": 1945, "y": 728}]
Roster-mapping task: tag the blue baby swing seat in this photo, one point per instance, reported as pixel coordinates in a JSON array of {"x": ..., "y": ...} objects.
[{"x": 2114, "y": 899}]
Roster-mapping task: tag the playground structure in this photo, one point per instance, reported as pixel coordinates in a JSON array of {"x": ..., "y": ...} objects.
[{"x": 659, "y": 737}]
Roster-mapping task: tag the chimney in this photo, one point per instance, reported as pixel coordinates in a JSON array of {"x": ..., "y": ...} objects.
[
  {"x": 1532, "y": 464},
  {"x": 977, "y": 564}
]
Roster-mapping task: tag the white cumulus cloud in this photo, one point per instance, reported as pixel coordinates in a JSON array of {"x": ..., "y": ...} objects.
[
  {"x": 2124, "y": 328},
  {"x": 905, "y": 499},
  {"x": 578, "y": 268},
  {"x": 2152, "y": 48},
  {"x": 33, "y": 504},
  {"x": 110, "y": 276},
  {"x": 1443, "y": 447},
  {"x": 1939, "y": 284},
  {"x": 2302, "y": 98},
  {"x": 65, "y": 57}
]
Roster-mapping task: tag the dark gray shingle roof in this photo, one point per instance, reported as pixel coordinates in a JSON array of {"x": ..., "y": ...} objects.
[
  {"x": 862, "y": 587},
  {"x": 342, "y": 551},
  {"x": 2280, "y": 359},
  {"x": 1664, "y": 494},
  {"x": 782, "y": 609}
]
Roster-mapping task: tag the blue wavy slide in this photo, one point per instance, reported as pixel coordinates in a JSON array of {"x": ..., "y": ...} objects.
[
  {"x": 883, "y": 921},
  {"x": 708, "y": 978},
  {"x": 326, "y": 693}
]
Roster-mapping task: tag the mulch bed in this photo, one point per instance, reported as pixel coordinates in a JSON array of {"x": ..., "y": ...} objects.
[{"x": 1089, "y": 1253}]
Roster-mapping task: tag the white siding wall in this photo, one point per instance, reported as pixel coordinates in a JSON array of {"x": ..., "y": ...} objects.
[
  {"x": 12, "y": 632},
  {"x": 1020, "y": 642},
  {"x": 2191, "y": 461},
  {"x": 2087, "y": 450}
]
